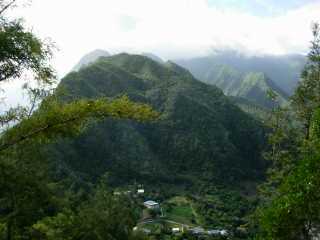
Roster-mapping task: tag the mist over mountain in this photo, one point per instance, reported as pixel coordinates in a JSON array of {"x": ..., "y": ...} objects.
[
  {"x": 253, "y": 86},
  {"x": 238, "y": 75},
  {"x": 284, "y": 71},
  {"x": 224, "y": 69}
]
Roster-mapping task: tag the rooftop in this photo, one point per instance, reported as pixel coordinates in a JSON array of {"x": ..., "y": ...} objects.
[{"x": 151, "y": 203}]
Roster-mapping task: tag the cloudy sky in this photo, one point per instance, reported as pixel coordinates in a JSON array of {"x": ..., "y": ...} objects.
[{"x": 171, "y": 28}]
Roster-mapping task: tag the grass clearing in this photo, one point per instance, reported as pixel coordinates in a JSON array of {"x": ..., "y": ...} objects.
[{"x": 179, "y": 209}]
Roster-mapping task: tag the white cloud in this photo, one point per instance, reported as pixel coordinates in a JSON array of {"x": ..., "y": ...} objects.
[{"x": 169, "y": 28}]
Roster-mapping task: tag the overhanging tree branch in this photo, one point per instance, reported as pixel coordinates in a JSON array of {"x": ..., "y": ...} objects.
[
  {"x": 34, "y": 133},
  {"x": 56, "y": 119}
]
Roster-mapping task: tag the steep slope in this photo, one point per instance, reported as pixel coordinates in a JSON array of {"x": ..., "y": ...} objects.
[
  {"x": 153, "y": 57},
  {"x": 283, "y": 70},
  {"x": 90, "y": 58},
  {"x": 255, "y": 87},
  {"x": 251, "y": 86},
  {"x": 201, "y": 134}
]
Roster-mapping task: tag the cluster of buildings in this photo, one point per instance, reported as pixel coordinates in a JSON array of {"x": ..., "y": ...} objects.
[{"x": 150, "y": 204}]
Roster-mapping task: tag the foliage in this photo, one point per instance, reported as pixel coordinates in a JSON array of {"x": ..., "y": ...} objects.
[
  {"x": 284, "y": 148},
  {"x": 224, "y": 208},
  {"x": 293, "y": 212},
  {"x": 253, "y": 109},
  {"x": 307, "y": 96},
  {"x": 26, "y": 192},
  {"x": 55, "y": 119},
  {"x": 179, "y": 209},
  {"x": 26, "y": 184},
  {"x": 102, "y": 216},
  {"x": 21, "y": 50}
]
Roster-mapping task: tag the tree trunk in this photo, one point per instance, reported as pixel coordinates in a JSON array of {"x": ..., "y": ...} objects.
[{"x": 9, "y": 230}]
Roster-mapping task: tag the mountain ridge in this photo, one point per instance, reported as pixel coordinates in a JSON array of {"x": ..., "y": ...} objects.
[
  {"x": 90, "y": 58},
  {"x": 283, "y": 70}
]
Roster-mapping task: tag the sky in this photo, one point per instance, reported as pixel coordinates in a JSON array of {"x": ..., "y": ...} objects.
[{"x": 170, "y": 28}]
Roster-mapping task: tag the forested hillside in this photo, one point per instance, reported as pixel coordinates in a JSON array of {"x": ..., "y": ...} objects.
[{"x": 201, "y": 134}]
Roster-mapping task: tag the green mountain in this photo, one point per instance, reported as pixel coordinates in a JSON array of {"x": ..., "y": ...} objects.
[
  {"x": 201, "y": 134},
  {"x": 253, "y": 86},
  {"x": 90, "y": 58},
  {"x": 283, "y": 71}
]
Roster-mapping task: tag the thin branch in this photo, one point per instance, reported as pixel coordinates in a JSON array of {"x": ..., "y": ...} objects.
[
  {"x": 42, "y": 129},
  {"x": 7, "y": 6},
  {"x": 33, "y": 105},
  {"x": 34, "y": 133}
]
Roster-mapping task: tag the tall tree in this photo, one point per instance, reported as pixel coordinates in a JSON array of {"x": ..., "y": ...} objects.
[
  {"x": 307, "y": 96},
  {"x": 294, "y": 212}
]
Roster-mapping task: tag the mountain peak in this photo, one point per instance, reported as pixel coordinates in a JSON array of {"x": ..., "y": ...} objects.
[
  {"x": 153, "y": 57},
  {"x": 90, "y": 58}
]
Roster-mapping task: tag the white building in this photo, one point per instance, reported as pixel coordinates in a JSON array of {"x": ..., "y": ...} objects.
[
  {"x": 224, "y": 232},
  {"x": 151, "y": 204},
  {"x": 140, "y": 191},
  {"x": 175, "y": 230}
]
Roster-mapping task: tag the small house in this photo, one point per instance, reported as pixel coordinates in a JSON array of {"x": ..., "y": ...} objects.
[
  {"x": 175, "y": 230},
  {"x": 151, "y": 204},
  {"x": 140, "y": 191},
  {"x": 224, "y": 232}
]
